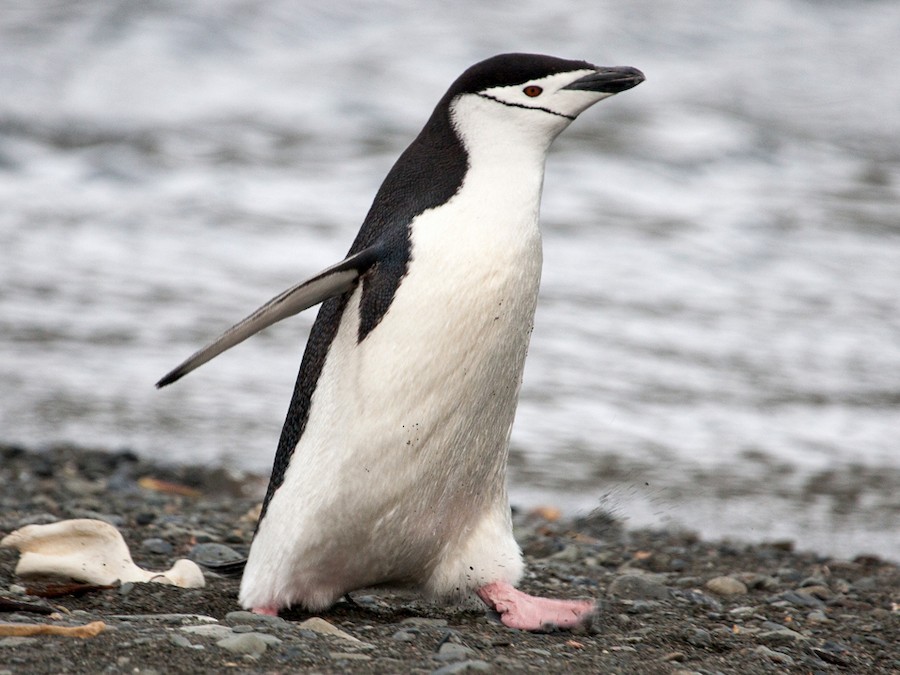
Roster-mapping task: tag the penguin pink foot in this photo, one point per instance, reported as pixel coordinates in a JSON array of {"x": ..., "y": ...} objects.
[
  {"x": 528, "y": 612},
  {"x": 265, "y": 611}
]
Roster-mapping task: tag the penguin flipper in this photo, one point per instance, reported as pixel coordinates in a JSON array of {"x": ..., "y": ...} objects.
[{"x": 328, "y": 283}]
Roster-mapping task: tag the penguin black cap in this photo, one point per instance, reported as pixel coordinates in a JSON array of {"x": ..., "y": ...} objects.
[{"x": 511, "y": 69}]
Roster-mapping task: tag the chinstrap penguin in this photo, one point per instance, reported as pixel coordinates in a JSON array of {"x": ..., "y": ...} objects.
[{"x": 391, "y": 467}]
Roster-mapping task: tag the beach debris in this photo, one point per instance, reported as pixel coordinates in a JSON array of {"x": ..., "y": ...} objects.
[
  {"x": 91, "y": 551},
  {"x": 167, "y": 487},
  {"x": 7, "y": 605},
  {"x": 88, "y": 630}
]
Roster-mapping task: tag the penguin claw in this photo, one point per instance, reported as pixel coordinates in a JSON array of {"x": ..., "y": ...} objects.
[{"x": 527, "y": 612}]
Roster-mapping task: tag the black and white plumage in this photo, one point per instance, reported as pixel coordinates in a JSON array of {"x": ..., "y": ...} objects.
[{"x": 391, "y": 467}]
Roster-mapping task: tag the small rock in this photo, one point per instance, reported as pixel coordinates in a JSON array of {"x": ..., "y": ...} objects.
[
  {"x": 349, "y": 656},
  {"x": 213, "y": 554},
  {"x": 17, "y": 641},
  {"x": 542, "y": 547},
  {"x": 450, "y": 651},
  {"x": 642, "y": 606},
  {"x": 638, "y": 587},
  {"x": 821, "y": 592},
  {"x": 16, "y": 589},
  {"x": 126, "y": 588},
  {"x": 179, "y": 640},
  {"x": 322, "y": 627},
  {"x": 470, "y": 666},
  {"x": 145, "y": 518},
  {"x": 802, "y": 599},
  {"x": 423, "y": 621},
  {"x": 696, "y": 597},
  {"x": 242, "y": 628},
  {"x": 817, "y": 616},
  {"x": 699, "y": 638},
  {"x": 243, "y": 616},
  {"x": 248, "y": 643},
  {"x": 753, "y": 580},
  {"x": 404, "y": 636},
  {"x": 570, "y": 553},
  {"x": 211, "y": 630},
  {"x": 726, "y": 586},
  {"x": 157, "y": 546},
  {"x": 781, "y": 636},
  {"x": 776, "y": 657}
]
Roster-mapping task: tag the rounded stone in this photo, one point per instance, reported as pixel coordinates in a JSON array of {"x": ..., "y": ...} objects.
[
  {"x": 638, "y": 587},
  {"x": 213, "y": 554},
  {"x": 726, "y": 586},
  {"x": 248, "y": 643},
  {"x": 157, "y": 546}
]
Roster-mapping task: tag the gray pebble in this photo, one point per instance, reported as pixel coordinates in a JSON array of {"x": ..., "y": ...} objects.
[
  {"x": 754, "y": 580},
  {"x": 471, "y": 666},
  {"x": 213, "y": 554},
  {"x": 349, "y": 656},
  {"x": 423, "y": 621},
  {"x": 404, "y": 636},
  {"x": 16, "y": 589},
  {"x": 242, "y": 628},
  {"x": 699, "y": 638},
  {"x": 642, "y": 606},
  {"x": 126, "y": 588},
  {"x": 726, "y": 586},
  {"x": 638, "y": 587},
  {"x": 212, "y": 630},
  {"x": 243, "y": 616},
  {"x": 781, "y": 636},
  {"x": 570, "y": 553},
  {"x": 802, "y": 599},
  {"x": 817, "y": 616},
  {"x": 450, "y": 651},
  {"x": 696, "y": 597},
  {"x": 772, "y": 655},
  {"x": 17, "y": 641},
  {"x": 179, "y": 640},
  {"x": 157, "y": 546},
  {"x": 248, "y": 643}
]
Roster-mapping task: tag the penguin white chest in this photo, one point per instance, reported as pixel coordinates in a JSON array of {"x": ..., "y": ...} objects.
[{"x": 408, "y": 429}]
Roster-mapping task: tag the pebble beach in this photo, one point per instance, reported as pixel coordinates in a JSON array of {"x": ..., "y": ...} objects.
[{"x": 668, "y": 601}]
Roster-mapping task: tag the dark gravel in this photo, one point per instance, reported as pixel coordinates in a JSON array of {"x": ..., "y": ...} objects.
[{"x": 671, "y": 603}]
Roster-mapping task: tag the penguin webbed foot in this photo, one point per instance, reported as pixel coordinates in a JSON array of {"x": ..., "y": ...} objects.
[
  {"x": 265, "y": 611},
  {"x": 528, "y": 612}
]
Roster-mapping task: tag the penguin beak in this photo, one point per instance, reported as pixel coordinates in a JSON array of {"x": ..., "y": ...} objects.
[{"x": 608, "y": 80}]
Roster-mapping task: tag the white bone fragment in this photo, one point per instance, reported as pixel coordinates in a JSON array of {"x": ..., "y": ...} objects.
[{"x": 91, "y": 551}]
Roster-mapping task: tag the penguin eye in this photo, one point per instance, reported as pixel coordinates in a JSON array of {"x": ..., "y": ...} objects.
[{"x": 533, "y": 90}]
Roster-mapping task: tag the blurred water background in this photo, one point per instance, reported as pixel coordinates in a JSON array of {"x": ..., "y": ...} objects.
[{"x": 718, "y": 337}]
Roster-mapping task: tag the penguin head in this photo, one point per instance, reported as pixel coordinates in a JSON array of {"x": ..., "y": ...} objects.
[{"x": 537, "y": 93}]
